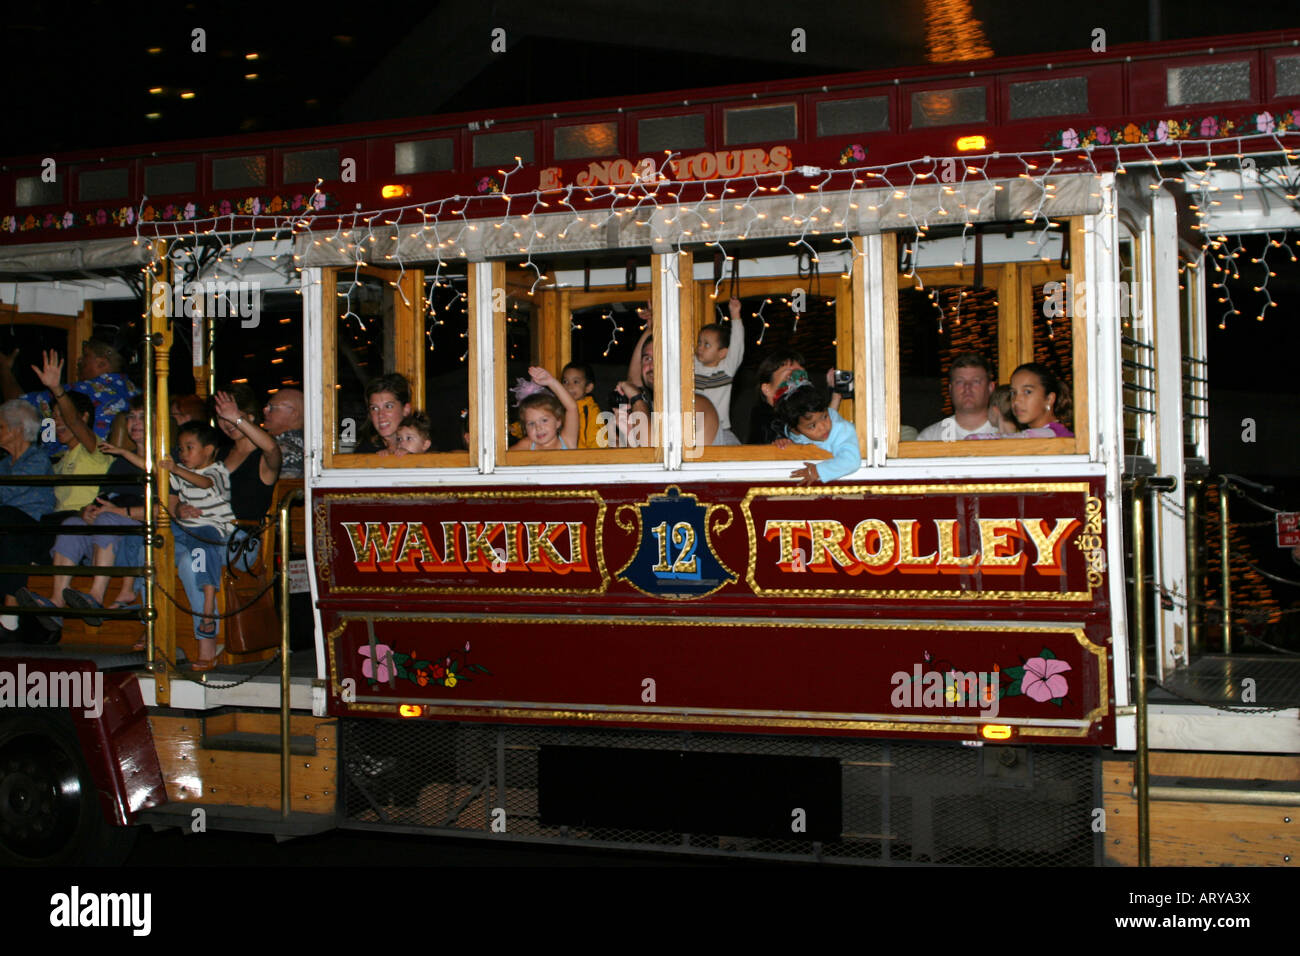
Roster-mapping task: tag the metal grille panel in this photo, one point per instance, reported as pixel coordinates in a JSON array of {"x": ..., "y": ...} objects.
[
  {"x": 169, "y": 179},
  {"x": 1207, "y": 83},
  {"x": 901, "y": 802},
  {"x": 1059, "y": 96}
]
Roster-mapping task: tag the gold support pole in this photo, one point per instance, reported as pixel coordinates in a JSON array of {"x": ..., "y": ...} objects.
[
  {"x": 1195, "y": 592},
  {"x": 285, "y": 687},
  {"x": 1225, "y": 560},
  {"x": 1141, "y": 779},
  {"x": 160, "y": 573}
]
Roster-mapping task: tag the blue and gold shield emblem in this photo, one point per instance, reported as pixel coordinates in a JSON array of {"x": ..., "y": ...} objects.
[{"x": 674, "y": 558}]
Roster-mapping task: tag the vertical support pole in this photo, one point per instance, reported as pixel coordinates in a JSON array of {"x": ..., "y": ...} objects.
[
  {"x": 1225, "y": 561},
  {"x": 159, "y": 570},
  {"x": 1194, "y": 590},
  {"x": 285, "y": 688},
  {"x": 1141, "y": 780}
]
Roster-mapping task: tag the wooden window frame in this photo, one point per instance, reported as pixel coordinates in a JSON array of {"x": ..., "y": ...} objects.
[
  {"x": 698, "y": 300},
  {"x": 409, "y": 361},
  {"x": 1015, "y": 283},
  {"x": 552, "y": 348}
]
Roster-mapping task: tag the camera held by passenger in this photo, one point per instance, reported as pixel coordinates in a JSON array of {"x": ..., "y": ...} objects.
[{"x": 843, "y": 383}]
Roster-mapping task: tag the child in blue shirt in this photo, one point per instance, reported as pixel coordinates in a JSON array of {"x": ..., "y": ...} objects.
[{"x": 808, "y": 419}]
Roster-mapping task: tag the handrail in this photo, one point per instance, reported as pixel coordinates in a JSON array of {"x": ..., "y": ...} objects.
[
  {"x": 41, "y": 480},
  {"x": 282, "y": 511}
]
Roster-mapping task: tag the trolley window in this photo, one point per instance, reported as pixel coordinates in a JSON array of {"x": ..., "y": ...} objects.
[
  {"x": 940, "y": 324},
  {"x": 397, "y": 348}
]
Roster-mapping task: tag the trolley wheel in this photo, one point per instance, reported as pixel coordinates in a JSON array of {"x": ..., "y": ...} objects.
[{"x": 49, "y": 810}]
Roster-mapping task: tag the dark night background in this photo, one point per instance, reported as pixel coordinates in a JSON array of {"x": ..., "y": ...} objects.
[{"x": 81, "y": 75}]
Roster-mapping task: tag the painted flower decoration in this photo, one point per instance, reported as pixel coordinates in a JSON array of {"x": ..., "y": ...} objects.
[
  {"x": 1264, "y": 122},
  {"x": 223, "y": 208},
  {"x": 1132, "y": 134},
  {"x": 10, "y": 224},
  {"x": 1069, "y": 139},
  {"x": 1209, "y": 126},
  {"x": 1103, "y": 136},
  {"x": 1162, "y": 132},
  {"x": 450, "y": 681},
  {"x": 318, "y": 201},
  {"x": 381, "y": 667},
  {"x": 297, "y": 202},
  {"x": 68, "y": 220},
  {"x": 1043, "y": 681},
  {"x": 189, "y": 210}
]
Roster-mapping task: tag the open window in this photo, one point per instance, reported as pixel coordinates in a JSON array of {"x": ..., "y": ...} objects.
[
  {"x": 575, "y": 313},
  {"x": 784, "y": 312},
  {"x": 1011, "y": 313},
  {"x": 380, "y": 323}
]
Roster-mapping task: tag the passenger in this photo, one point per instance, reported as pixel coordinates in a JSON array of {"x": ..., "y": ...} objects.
[
  {"x": 1000, "y": 415},
  {"x": 550, "y": 418},
  {"x": 579, "y": 381},
  {"x": 1003, "y": 419},
  {"x": 633, "y": 418},
  {"x": 1040, "y": 400},
  {"x": 253, "y": 464},
  {"x": 716, "y": 365},
  {"x": 115, "y": 506},
  {"x": 809, "y": 420},
  {"x": 283, "y": 414},
  {"x": 99, "y": 378},
  {"x": 414, "y": 435},
  {"x": 188, "y": 408},
  {"x": 74, "y": 416},
  {"x": 21, "y": 504},
  {"x": 202, "y": 522},
  {"x": 388, "y": 399},
  {"x": 970, "y": 384},
  {"x": 777, "y": 370}
]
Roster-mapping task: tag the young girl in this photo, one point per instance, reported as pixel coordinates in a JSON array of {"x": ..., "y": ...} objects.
[
  {"x": 1040, "y": 400},
  {"x": 550, "y": 419},
  {"x": 200, "y": 501},
  {"x": 414, "y": 435},
  {"x": 808, "y": 419}
]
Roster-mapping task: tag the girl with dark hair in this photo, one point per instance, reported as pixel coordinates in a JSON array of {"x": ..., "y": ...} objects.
[
  {"x": 806, "y": 415},
  {"x": 1041, "y": 400}
]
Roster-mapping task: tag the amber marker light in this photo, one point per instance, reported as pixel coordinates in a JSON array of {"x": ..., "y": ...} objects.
[
  {"x": 996, "y": 731},
  {"x": 968, "y": 143},
  {"x": 395, "y": 192},
  {"x": 410, "y": 710}
]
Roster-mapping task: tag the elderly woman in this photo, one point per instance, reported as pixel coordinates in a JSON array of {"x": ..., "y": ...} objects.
[{"x": 21, "y": 504}]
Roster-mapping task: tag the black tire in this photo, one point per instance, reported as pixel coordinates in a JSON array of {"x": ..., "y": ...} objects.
[{"x": 49, "y": 810}]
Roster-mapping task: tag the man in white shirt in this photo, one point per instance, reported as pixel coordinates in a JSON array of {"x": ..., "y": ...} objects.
[{"x": 971, "y": 384}]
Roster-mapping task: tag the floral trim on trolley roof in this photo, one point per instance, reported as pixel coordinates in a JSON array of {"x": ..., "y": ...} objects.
[
  {"x": 172, "y": 212},
  {"x": 1167, "y": 130}
]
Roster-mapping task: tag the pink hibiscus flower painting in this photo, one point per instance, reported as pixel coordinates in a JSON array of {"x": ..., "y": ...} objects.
[
  {"x": 1043, "y": 681},
  {"x": 381, "y": 667}
]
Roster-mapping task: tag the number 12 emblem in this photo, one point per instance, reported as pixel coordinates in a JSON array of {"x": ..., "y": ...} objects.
[{"x": 674, "y": 558}]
